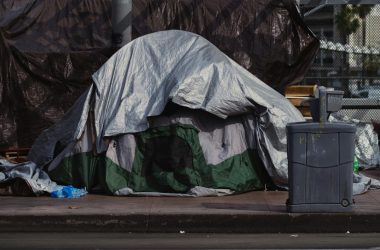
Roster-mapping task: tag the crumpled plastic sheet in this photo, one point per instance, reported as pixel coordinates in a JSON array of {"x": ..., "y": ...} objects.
[
  {"x": 68, "y": 192},
  {"x": 363, "y": 183},
  {"x": 366, "y": 141},
  {"x": 366, "y": 151},
  {"x": 38, "y": 180}
]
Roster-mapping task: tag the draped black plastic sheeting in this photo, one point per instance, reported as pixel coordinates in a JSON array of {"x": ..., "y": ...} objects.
[
  {"x": 267, "y": 37},
  {"x": 50, "y": 48},
  {"x": 48, "y": 51}
]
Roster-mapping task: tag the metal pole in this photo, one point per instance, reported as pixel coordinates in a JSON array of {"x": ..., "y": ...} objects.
[
  {"x": 121, "y": 22},
  {"x": 322, "y": 105}
]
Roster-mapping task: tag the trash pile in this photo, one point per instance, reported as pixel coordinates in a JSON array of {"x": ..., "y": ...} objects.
[
  {"x": 366, "y": 143},
  {"x": 367, "y": 153},
  {"x": 25, "y": 179}
]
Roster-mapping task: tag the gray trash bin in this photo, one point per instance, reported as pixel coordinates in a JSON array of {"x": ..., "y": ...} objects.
[{"x": 320, "y": 158}]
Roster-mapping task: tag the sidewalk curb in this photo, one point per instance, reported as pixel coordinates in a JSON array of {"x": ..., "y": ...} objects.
[{"x": 195, "y": 223}]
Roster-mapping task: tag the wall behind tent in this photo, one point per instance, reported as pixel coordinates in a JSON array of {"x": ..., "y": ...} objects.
[{"x": 50, "y": 48}]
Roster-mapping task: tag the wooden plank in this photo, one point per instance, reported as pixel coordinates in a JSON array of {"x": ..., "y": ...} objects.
[{"x": 300, "y": 90}]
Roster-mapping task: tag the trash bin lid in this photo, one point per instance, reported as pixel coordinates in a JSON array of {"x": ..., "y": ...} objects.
[{"x": 316, "y": 127}]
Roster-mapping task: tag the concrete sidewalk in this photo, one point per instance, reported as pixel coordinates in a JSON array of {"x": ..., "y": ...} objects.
[{"x": 253, "y": 212}]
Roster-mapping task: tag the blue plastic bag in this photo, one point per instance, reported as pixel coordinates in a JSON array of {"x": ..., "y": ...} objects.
[{"x": 68, "y": 192}]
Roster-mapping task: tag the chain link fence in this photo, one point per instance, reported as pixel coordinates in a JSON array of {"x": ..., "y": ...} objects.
[{"x": 349, "y": 58}]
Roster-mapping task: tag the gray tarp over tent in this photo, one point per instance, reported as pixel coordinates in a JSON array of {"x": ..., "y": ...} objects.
[{"x": 220, "y": 114}]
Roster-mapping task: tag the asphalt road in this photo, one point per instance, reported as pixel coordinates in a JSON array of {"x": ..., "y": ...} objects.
[{"x": 182, "y": 240}]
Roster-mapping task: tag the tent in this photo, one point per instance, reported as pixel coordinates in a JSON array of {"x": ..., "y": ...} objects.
[{"x": 170, "y": 114}]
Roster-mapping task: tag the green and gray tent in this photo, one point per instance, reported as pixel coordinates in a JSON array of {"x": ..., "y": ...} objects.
[{"x": 170, "y": 114}]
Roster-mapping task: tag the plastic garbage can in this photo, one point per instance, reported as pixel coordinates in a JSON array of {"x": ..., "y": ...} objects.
[{"x": 320, "y": 158}]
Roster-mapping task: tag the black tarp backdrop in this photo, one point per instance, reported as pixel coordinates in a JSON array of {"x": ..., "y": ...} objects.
[
  {"x": 267, "y": 37},
  {"x": 48, "y": 51},
  {"x": 50, "y": 48}
]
